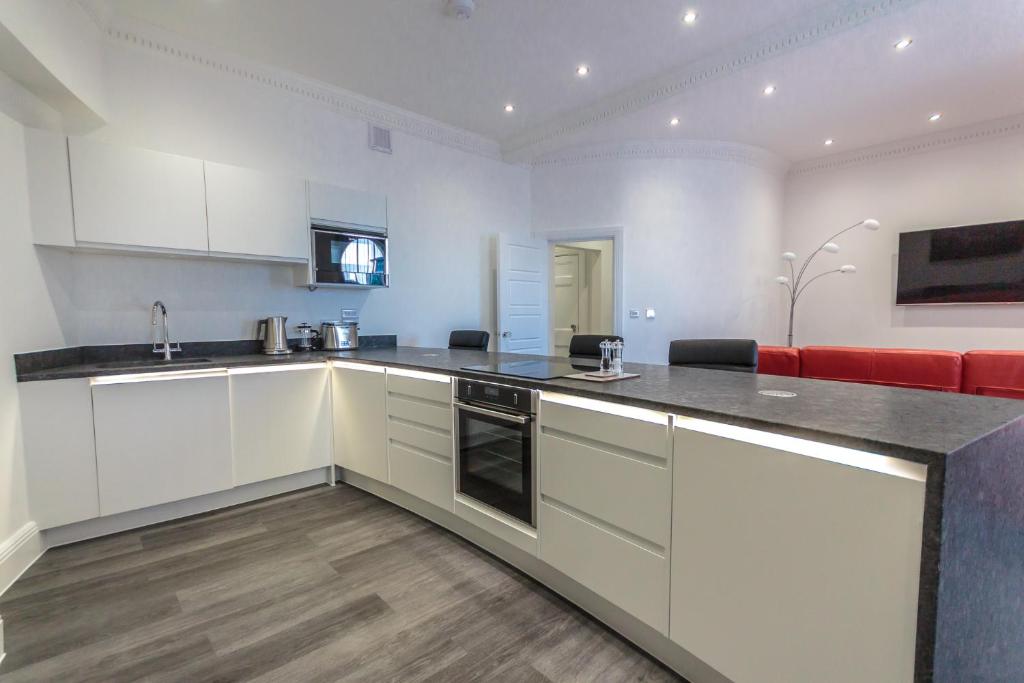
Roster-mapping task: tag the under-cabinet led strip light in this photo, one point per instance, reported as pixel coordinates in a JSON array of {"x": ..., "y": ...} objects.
[
  {"x": 159, "y": 376},
  {"x": 631, "y": 412},
  {"x": 874, "y": 462}
]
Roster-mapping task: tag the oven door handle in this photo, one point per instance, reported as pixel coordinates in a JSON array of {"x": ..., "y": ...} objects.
[{"x": 518, "y": 419}]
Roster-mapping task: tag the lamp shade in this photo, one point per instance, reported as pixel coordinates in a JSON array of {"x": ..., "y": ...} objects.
[
  {"x": 788, "y": 256},
  {"x": 831, "y": 247},
  {"x": 850, "y": 269},
  {"x": 871, "y": 224},
  {"x": 782, "y": 280}
]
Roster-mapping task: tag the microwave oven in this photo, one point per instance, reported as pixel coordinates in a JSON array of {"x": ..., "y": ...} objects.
[{"x": 347, "y": 258}]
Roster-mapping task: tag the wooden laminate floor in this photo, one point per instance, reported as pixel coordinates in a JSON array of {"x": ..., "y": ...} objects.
[{"x": 326, "y": 584}]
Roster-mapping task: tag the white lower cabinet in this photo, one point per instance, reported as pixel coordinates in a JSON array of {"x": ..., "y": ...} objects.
[
  {"x": 161, "y": 439},
  {"x": 60, "y": 453},
  {"x": 280, "y": 421},
  {"x": 359, "y": 397},
  {"x": 790, "y": 565},
  {"x": 419, "y": 408},
  {"x": 606, "y": 501}
]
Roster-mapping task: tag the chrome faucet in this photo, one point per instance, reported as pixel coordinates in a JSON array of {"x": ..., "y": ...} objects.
[{"x": 166, "y": 348}]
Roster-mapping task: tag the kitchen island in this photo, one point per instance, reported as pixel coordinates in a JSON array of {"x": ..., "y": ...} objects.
[{"x": 784, "y": 518}]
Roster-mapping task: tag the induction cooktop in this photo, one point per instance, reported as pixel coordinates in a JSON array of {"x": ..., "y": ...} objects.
[{"x": 534, "y": 369}]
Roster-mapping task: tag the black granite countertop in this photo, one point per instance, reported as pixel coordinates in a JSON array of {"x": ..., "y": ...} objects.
[{"x": 906, "y": 423}]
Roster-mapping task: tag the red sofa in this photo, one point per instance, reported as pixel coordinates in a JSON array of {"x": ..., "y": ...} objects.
[
  {"x": 994, "y": 373},
  {"x": 984, "y": 373},
  {"x": 778, "y": 360}
]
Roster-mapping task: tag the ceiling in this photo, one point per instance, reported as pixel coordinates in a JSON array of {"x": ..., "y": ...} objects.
[{"x": 837, "y": 72}]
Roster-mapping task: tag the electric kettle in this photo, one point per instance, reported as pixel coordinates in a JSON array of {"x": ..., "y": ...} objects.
[{"x": 274, "y": 335}]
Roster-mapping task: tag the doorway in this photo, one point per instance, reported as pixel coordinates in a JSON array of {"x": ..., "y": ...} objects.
[{"x": 583, "y": 290}]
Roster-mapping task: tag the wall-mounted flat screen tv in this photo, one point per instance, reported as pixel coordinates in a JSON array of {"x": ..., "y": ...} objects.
[{"x": 972, "y": 264}]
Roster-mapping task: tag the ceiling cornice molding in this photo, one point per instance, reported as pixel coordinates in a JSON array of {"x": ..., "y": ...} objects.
[
  {"x": 154, "y": 39},
  {"x": 839, "y": 16},
  {"x": 965, "y": 135},
  {"x": 708, "y": 150}
]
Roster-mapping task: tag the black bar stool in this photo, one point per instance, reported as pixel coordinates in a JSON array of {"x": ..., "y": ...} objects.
[
  {"x": 469, "y": 339},
  {"x": 737, "y": 355},
  {"x": 589, "y": 345}
]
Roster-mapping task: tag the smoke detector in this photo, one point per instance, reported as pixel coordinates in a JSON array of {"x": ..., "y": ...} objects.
[{"x": 460, "y": 9}]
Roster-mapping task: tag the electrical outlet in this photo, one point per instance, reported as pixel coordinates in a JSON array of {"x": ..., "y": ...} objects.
[
  {"x": 634, "y": 313},
  {"x": 649, "y": 313}
]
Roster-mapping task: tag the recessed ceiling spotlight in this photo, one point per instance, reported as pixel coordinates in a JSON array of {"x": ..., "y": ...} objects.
[
  {"x": 829, "y": 142},
  {"x": 935, "y": 117},
  {"x": 690, "y": 17},
  {"x": 582, "y": 70},
  {"x": 903, "y": 43},
  {"x": 769, "y": 89},
  {"x": 509, "y": 108},
  {"x": 674, "y": 121}
]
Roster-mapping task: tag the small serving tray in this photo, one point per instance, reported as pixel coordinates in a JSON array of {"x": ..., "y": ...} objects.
[{"x": 601, "y": 377}]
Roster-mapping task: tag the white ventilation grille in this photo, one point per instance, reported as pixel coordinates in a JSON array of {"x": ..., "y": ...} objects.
[{"x": 380, "y": 139}]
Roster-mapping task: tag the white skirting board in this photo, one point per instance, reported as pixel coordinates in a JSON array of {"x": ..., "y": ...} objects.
[
  {"x": 134, "y": 519},
  {"x": 18, "y": 553},
  {"x": 623, "y": 623}
]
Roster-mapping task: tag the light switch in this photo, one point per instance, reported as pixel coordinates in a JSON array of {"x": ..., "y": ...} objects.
[
  {"x": 649, "y": 313},
  {"x": 634, "y": 313}
]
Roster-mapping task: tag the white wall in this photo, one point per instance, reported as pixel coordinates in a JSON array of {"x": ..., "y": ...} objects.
[
  {"x": 962, "y": 185},
  {"x": 445, "y": 206},
  {"x": 29, "y": 319},
  {"x": 700, "y": 241}
]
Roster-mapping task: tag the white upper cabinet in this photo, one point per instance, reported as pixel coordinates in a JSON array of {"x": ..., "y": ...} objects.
[
  {"x": 255, "y": 213},
  {"x": 341, "y": 207},
  {"x": 136, "y": 197},
  {"x": 49, "y": 188}
]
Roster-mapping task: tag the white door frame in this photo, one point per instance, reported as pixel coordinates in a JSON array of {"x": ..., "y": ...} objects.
[{"x": 617, "y": 235}]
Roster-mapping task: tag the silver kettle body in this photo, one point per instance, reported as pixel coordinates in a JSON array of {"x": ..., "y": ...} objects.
[
  {"x": 338, "y": 335},
  {"x": 274, "y": 335}
]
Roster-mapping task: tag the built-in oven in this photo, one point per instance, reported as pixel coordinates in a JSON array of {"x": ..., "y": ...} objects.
[
  {"x": 495, "y": 447},
  {"x": 348, "y": 258}
]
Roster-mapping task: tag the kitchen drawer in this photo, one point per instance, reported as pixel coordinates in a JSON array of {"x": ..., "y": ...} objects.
[
  {"x": 430, "y": 439},
  {"x": 630, "y": 576},
  {"x": 625, "y": 492},
  {"x": 628, "y": 428},
  {"x": 437, "y": 388},
  {"x": 423, "y": 474},
  {"x": 429, "y": 414}
]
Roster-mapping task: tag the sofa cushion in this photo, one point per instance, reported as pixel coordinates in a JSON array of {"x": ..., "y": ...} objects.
[
  {"x": 917, "y": 369},
  {"x": 778, "y": 360},
  {"x": 994, "y": 373},
  {"x": 907, "y": 368},
  {"x": 843, "y": 363}
]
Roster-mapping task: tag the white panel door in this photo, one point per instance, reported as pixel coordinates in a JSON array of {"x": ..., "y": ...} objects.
[
  {"x": 137, "y": 197},
  {"x": 788, "y": 567},
  {"x": 340, "y": 206},
  {"x": 280, "y": 421},
  {"x": 255, "y": 213},
  {"x": 161, "y": 440},
  {"x": 567, "y": 301},
  {"x": 522, "y": 295}
]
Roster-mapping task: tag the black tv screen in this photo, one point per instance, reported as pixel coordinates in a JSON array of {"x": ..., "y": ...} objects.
[{"x": 966, "y": 265}]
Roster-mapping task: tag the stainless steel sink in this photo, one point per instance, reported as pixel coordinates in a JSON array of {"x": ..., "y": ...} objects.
[{"x": 158, "y": 363}]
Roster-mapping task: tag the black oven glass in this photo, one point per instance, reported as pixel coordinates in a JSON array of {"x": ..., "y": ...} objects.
[
  {"x": 495, "y": 463},
  {"x": 350, "y": 258}
]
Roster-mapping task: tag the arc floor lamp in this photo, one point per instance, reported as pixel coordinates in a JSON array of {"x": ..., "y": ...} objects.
[{"x": 795, "y": 284}]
